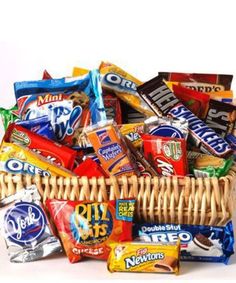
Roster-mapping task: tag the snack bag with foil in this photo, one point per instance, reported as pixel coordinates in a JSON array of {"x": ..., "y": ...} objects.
[
  {"x": 144, "y": 257},
  {"x": 198, "y": 242},
  {"x": 8, "y": 116},
  {"x": 60, "y": 155},
  {"x": 200, "y": 82},
  {"x": 25, "y": 227},
  {"x": 124, "y": 85},
  {"x": 70, "y": 103},
  {"x": 166, "y": 127},
  {"x": 110, "y": 149},
  {"x": 87, "y": 228},
  {"x": 19, "y": 160},
  {"x": 163, "y": 102},
  {"x": 167, "y": 155},
  {"x": 204, "y": 165}
]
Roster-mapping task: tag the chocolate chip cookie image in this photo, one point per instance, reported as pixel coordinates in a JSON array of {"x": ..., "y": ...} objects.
[{"x": 79, "y": 99}]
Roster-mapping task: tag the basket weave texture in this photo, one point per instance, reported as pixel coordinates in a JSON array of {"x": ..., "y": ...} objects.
[{"x": 201, "y": 201}]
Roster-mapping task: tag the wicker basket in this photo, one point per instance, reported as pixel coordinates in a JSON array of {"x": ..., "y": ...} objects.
[{"x": 201, "y": 201}]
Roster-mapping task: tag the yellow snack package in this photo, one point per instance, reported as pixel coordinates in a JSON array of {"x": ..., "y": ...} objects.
[
  {"x": 124, "y": 86},
  {"x": 77, "y": 71},
  {"x": 144, "y": 257},
  {"x": 132, "y": 132},
  {"x": 18, "y": 160}
]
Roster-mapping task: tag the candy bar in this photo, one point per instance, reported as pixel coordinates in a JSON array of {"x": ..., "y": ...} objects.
[
  {"x": 56, "y": 153},
  {"x": 200, "y": 82},
  {"x": 221, "y": 117},
  {"x": 162, "y": 101},
  {"x": 87, "y": 228},
  {"x": 197, "y": 102},
  {"x": 144, "y": 167},
  {"x": 166, "y": 127},
  {"x": 25, "y": 227},
  {"x": 167, "y": 155},
  {"x": 144, "y": 257}
]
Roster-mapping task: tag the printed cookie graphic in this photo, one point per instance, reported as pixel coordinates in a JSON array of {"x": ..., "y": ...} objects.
[
  {"x": 79, "y": 99},
  {"x": 202, "y": 242}
]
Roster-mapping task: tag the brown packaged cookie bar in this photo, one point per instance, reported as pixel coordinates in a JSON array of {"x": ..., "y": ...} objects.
[{"x": 144, "y": 257}]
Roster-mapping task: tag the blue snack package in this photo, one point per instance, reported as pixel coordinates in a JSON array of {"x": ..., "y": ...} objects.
[
  {"x": 198, "y": 242},
  {"x": 69, "y": 103},
  {"x": 41, "y": 126}
]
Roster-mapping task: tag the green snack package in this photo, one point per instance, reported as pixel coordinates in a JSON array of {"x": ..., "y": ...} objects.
[
  {"x": 204, "y": 165},
  {"x": 8, "y": 116}
]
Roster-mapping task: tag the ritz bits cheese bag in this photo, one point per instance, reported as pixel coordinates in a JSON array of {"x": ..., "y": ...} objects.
[
  {"x": 111, "y": 150},
  {"x": 124, "y": 85},
  {"x": 70, "y": 103},
  {"x": 87, "y": 228}
]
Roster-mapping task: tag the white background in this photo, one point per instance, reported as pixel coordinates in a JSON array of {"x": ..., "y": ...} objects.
[{"x": 143, "y": 37}]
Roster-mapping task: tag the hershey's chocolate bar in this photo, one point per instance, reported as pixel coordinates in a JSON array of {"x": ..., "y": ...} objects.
[{"x": 158, "y": 96}]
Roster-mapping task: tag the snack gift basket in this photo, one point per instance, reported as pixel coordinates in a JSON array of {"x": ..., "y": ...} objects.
[
  {"x": 116, "y": 163},
  {"x": 201, "y": 201}
]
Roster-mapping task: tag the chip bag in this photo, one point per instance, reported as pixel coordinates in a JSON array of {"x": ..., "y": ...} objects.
[
  {"x": 87, "y": 228},
  {"x": 70, "y": 103},
  {"x": 8, "y": 116}
]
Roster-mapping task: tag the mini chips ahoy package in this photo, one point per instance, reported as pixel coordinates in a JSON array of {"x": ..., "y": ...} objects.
[
  {"x": 70, "y": 103},
  {"x": 86, "y": 228}
]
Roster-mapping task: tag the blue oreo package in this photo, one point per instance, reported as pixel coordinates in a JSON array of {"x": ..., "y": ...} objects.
[
  {"x": 69, "y": 103},
  {"x": 198, "y": 242}
]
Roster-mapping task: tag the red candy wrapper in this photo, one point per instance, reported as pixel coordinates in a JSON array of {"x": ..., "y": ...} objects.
[
  {"x": 87, "y": 228},
  {"x": 167, "y": 155},
  {"x": 197, "y": 102},
  {"x": 112, "y": 106},
  {"x": 57, "y": 153},
  {"x": 46, "y": 75},
  {"x": 200, "y": 82},
  {"x": 89, "y": 168}
]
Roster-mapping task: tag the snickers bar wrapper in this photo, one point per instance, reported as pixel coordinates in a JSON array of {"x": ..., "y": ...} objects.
[{"x": 163, "y": 102}]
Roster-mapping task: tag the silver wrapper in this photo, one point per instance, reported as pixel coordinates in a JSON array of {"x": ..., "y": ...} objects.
[
  {"x": 25, "y": 227},
  {"x": 171, "y": 127}
]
